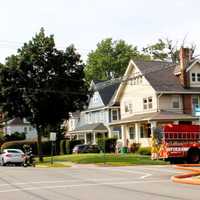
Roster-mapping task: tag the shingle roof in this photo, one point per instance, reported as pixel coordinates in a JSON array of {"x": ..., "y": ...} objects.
[
  {"x": 161, "y": 76},
  {"x": 154, "y": 116},
  {"x": 91, "y": 127},
  {"x": 16, "y": 121},
  {"x": 106, "y": 90}
]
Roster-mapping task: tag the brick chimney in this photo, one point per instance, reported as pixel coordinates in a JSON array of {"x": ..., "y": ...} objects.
[{"x": 184, "y": 57}]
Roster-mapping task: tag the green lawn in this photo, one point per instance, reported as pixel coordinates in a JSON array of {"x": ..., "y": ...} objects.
[{"x": 108, "y": 159}]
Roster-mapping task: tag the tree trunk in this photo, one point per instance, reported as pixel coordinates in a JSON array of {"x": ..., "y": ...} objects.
[{"x": 39, "y": 145}]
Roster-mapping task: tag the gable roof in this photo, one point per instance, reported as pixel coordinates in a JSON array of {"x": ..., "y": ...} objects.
[
  {"x": 106, "y": 90},
  {"x": 17, "y": 122},
  {"x": 161, "y": 75},
  {"x": 162, "y": 78}
]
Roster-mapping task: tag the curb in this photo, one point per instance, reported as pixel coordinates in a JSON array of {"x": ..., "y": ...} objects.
[{"x": 187, "y": 178}]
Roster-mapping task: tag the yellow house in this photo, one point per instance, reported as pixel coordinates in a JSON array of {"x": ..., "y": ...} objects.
[{"x": 154, "y": 93}]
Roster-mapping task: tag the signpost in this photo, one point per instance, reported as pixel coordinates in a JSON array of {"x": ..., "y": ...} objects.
[{"x": 52, "y": 139}]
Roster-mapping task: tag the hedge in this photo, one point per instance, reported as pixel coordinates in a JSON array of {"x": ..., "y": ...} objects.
[
  {"x": 144, "y": 150},
  {"x": 64, "y": 147},
  {"x": 46, "y": 146}
]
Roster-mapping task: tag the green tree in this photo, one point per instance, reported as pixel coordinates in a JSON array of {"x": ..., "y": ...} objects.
[
  {"x": 110, "y": 59},
  {"x": 43, "y": 84},
  {"x": 164, "y": 49}
]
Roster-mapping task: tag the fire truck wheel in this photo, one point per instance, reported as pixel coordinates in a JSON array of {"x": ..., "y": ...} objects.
[{"x": 193, "y": 156}]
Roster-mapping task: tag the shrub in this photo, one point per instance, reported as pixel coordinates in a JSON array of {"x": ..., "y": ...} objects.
[
  {"x": 15, "y": 136},
  {"x": 108, "y": 144},
  {"x": 134, "y": 147},
  {"x": 144, "y": 151}
]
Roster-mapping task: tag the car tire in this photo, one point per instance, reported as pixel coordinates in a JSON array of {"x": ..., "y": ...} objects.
[{"x": 193, "y": 156}]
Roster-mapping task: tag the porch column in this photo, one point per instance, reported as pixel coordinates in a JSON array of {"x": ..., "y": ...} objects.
[
  {"x": 153, "y": 125},
  {"x": 124, "y": 137},
  {"x": 85, "y": 135},
  {"x": 77, "y": 136},
  {"x": 94, "y": 138},
  {"x": 137, "y": 132},
  {"x": 109, "y": 132}
]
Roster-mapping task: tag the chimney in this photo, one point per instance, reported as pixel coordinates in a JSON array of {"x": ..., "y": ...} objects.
[{"x": 185, "y": 55}]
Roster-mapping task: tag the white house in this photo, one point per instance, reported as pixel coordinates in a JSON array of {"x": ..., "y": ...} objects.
[
  {"x": 93, "y": 122},
  {"x": 20, "y": 126},
  {"x": 157, "y": 93}
]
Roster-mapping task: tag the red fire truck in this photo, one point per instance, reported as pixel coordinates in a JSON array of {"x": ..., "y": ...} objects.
[{"x": 180, "y": 143}]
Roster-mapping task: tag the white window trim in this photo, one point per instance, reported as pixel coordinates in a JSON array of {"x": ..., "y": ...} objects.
[
  {"x": 196, "y": 77},
  {"x": 147, "y": 103},
  {"x": 112, "y": 115},
  {"x": 133, "y": 126},
  {"x": 116, "y": 133},
  {"x": 129, "y": 105}
]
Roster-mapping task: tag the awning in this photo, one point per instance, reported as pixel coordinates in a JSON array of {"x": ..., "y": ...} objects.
[
  {"x": 156, "y": 116},
  {"x": 95, "y": 127}
]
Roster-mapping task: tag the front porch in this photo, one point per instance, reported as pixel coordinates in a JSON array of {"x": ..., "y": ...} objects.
[
  {"x": 90, "y": 133},
  {"x": 139, "y": 128}
]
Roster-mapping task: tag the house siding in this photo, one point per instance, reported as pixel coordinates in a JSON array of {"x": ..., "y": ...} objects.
[
  {"x": 135, "y": 94},
  {"x": 194, "y": 69},
  {"x": 165, "y": 103},
  {"x": 95, "y": 101}
]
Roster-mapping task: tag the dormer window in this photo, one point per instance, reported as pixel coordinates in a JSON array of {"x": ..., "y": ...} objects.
[
  {"x": 198, "y": 77},
  {"x": 195, "y": 77}
]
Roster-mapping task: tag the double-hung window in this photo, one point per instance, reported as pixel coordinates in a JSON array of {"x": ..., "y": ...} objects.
[
  {"x": 114, "y": 114},
  {"x": 132, "y": 132},
  {"x": 148, "y": 103},
  {"x": 175, "y": 101}
]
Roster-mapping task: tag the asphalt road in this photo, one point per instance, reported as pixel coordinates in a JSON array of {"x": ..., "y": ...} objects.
[{"x": 94, "y": 183}]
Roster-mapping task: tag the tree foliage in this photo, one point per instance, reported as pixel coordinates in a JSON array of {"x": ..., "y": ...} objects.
[
  {"x": 165, "y": 49},
  {"x": 43, "y": 84},
  {"x": 110, "y": 59}
]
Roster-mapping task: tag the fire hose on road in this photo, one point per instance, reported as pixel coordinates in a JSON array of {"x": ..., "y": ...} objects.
[{"x": 188, "y": 178}]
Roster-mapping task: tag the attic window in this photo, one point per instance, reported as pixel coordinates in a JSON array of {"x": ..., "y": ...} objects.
[
  {"x": 198, "y": 77},
  {"x": 145, "y": 104},
  {"x": 193, "y": 77}
]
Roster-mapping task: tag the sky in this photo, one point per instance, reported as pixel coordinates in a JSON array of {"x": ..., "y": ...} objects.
[{"x": 84, "y": 23}]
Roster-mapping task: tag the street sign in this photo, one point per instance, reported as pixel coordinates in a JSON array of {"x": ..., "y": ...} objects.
[
  {"x": 197, "y": 111},
  {"x": 52, "y": 136}
]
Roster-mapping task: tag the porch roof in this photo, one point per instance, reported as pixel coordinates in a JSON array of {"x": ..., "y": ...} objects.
[
  {"x": 95, "y": 127},
  {"x": 155, "y": 116}
]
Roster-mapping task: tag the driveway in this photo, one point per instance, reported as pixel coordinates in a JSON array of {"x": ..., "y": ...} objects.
[{"x": 94, "y": 183}]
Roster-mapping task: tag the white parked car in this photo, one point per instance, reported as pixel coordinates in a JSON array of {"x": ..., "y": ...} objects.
[{"x": 15, "y": 156}]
